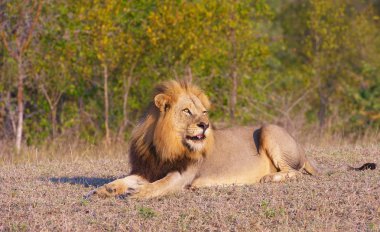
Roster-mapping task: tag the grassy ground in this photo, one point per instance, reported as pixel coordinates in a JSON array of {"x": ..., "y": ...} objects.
[{"x": 47, "y": 195}]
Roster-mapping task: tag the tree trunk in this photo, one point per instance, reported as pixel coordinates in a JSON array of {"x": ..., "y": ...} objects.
[
  {"x": 20, "y": 104},
  {"x": 127, "y": 87},
  {"x": 2, "y": 114},
  {"x": 53, "y": 105},
  {"x": 233, "y": 74},
  {"x": 82, "y": 122},
  {"x": 233, "y": 97},
  {"x": 106, "y": 103},
  {"x": 323, "y": 101},
  {"x": 127, "y": 83},
  {"x": 11, "y": 113},
  {"x": 53, "y": 110}
]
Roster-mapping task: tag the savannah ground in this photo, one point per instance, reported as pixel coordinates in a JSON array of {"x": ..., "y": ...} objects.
[{"x": 42, "y": 193}]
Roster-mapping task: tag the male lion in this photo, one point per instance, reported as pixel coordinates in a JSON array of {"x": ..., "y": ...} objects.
[{"x": 174, "y": 147}]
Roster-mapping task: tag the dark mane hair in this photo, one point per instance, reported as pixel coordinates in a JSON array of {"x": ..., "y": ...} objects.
[{"x": 153, "y": 152}]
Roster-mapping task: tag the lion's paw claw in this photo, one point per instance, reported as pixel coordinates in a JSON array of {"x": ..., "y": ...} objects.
[{"x": 89, "y": 194}]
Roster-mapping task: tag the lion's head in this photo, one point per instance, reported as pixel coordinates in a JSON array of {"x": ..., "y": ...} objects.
[
  {"x": 175, "y": 128},
  {"x": 183, "y": 124}
]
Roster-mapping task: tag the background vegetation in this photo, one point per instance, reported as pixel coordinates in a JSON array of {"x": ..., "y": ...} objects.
[
  {"x": 84, "y": 70},
  {"x": 75, "y": 76}
]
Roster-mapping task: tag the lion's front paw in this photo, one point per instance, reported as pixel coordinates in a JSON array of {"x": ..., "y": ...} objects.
[
  {"x": 114, "y": 188},
  {"x": 121, "y": 187},
  {"x": 133, "y": 191},
  {"x": 142, "y": 192}
]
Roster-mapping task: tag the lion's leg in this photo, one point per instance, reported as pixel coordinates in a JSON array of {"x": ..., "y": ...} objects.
[
  {"x": 138, "y": 187},
  {"x": 285, "y": 153},
  {"x": 285, "y": 166},
  {"x": 118, "y": 187},
  {"x": 172, "y": 182}
]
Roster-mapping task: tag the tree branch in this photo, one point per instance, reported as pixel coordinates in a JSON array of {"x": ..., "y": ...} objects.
[
  {"x": 299, "y": 99},
  {"x": 31, "y": 29},
  {"x": 5, "y": 42}
]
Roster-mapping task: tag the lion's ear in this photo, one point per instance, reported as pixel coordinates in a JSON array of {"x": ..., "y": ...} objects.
[{"x": 162, "y": 101}]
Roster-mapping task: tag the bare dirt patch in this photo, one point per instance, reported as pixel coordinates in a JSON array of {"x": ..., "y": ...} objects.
[{"x": 48, "y": 196}]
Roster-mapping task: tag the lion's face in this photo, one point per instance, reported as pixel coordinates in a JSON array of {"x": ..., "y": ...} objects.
[
  {"x": 183, "y": 123},
  {"x": 191, "y": 121}
]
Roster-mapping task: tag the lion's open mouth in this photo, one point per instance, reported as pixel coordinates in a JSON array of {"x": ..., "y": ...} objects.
[{"x": 196, "y": 138}]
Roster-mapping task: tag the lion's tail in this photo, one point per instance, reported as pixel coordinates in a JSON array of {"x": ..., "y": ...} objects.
[
  {"x": 366, "y": 166},
  {"x": 311, "y": 168}
]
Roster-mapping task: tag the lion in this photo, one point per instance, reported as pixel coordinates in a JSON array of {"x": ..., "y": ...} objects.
[{"x": 175, "y": 147}]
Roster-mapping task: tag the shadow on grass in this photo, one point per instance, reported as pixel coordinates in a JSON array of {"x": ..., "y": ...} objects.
[{"x": 82, "y": 180}]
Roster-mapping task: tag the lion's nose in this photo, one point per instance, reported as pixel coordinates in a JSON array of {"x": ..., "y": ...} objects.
[{"x": 203, "y": 125}]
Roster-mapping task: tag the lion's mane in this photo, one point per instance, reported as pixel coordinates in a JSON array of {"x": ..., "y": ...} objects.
[{"x": 154, "y": 148}]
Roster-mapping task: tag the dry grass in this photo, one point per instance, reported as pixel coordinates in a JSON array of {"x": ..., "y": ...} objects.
[
  {"x": 68, "y": 150},
  {"x": 47, "y": 195}
]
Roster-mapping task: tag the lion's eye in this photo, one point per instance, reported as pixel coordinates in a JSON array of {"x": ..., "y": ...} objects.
[
  {"x": 205, "y": 112},
  {"x": 187, "y": 111}
]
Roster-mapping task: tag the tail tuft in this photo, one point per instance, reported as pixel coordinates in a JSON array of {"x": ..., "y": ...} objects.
[{"x": 367, "y": 166}]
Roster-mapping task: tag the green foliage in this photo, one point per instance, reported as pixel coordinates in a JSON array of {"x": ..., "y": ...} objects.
[
  {"x": 84, "y": 202},
  {"x": 305, "y": 62},
  {"x": 146, "y": 212},
  {"x": 270, "y": 212}
]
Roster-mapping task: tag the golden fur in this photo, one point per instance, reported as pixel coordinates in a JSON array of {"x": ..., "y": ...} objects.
[
  {"x": 174, "y": 147},
  {"x": 154, "y": 152}
]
